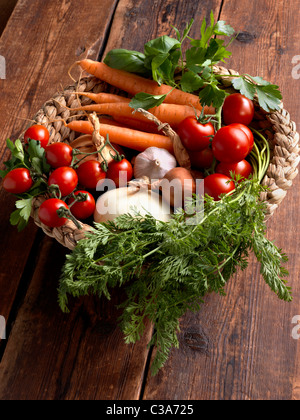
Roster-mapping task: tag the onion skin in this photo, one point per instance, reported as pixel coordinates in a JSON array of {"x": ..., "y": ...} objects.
[{"x": 177, "y": 185}]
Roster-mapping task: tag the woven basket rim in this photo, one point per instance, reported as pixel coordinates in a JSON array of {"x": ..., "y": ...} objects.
[{"x": 280, "y": 130}]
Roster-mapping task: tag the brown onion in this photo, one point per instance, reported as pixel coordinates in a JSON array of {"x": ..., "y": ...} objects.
[{"x": 177, "y": 185}]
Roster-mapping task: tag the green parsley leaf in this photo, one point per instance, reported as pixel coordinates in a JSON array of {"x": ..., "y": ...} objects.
[
  {"x": 20, "y": 217},
  {"x": 146, "y": 101},
  {"x": 212, "y": 95},
  {"x": 190, "y": 82},
  {"x": 269, "y": 96}
]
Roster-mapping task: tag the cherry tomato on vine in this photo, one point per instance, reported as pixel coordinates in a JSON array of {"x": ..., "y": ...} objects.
[
  {"x": 237, "y": 109},
  {"x": 82, "y": 209},
  {"x": 202, "y": 159},
  {"x": 230, "y": 144},
  {"x": 248, "y": 132},
  {"x": 120, "y": 172},
  {"x": 194, "y": 135},
  {"x": 66, "y": 178},
  {"x": 90, "y": 173},
  {"x": 17, "y": 181},
  {"x": 59, "y": 154},
  {"x": 217, "y": 184},
  {"x": 37, "y": 132},
  {"x": 242, "y": 168},
  {"x": 48, "y": 212}
]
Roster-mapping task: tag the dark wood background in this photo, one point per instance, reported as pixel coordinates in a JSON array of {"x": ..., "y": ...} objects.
[{"x": 237, "y": 347}]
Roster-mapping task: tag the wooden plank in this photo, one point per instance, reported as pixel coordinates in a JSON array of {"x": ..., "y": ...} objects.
[
  {"x": 33, "y": 75},
  {"x": 81, "y": 355},
  {"x": 148, "y": 20},
  {"x": 6, "y": 9},
  {"x": 239, "y": 347},
  {"x": 50, "y": 355}
]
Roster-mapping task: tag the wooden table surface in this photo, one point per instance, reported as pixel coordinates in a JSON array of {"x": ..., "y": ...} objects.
[{"x": 237, "y": 347}]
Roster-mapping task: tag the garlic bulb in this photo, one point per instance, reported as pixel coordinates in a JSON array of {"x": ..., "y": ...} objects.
[{"x": 153, "y": 163}]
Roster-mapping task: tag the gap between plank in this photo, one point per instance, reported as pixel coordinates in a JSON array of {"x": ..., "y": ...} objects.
[
  {"x": 22, "y": 288},
  {"x": 107, "y": 32}
]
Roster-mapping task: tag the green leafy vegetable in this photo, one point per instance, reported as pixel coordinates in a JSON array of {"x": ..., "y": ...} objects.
[
  {"x": 268, "y": 94},
  {"x": 131, "y": 61},
  {"x": 168, "y": 268},
  {"x": 146, "y": 101},
  {"x": 173, "y": 265},
  {"x": 164, "y": 60}
]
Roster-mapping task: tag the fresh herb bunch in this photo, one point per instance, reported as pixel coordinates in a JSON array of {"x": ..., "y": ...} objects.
[
  {"x": 164, "y": 60},
  {"x": 167, "y": 268}
]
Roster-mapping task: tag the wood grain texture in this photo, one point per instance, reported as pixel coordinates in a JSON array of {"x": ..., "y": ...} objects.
[
  {"x": 36, "y": 67},
  {"x": 6, "y": 9},
  {"x": 237, "y": 347},
  {"x": 240, "y": 347},
  {"x": 56, "y": 356},
  {"x": 138, "y": 21},
  {"x": 49, "y": 355}
]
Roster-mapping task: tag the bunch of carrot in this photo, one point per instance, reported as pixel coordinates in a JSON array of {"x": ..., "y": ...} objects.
[{"x": 137, "y": 131}]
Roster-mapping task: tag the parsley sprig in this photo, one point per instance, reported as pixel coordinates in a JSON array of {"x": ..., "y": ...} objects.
[{"x": 164, "y": 58}]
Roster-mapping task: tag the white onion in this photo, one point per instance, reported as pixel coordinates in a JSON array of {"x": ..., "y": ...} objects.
[{"x": 125, "y": 200}]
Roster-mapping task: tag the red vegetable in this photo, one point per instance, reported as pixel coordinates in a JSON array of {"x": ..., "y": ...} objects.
[
  {"x": 48, "y": 212},
  {"x": 66, "y": 178},
  {"x": 242, "y": 168},
  {"x": 217, "y": 184},
  {"x": 230, "y": 144},
  {"x": 120, "y": 172},
  {"x": 248, "y": 132},
  {"x": 39, "y": 133},
  {"x": 202, "y": 159},
  {"x": 237, "y": 109},
  {"x": 59, "y": 154},
  {"x": 82, "y": 209},
  {"x": 17, "y": 181},
  {"x": 194, "y": 135},
  {"x": 90, "y": 173}
]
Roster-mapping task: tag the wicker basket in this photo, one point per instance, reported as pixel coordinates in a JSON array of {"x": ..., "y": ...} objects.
[{"x": 278, "y": 129}]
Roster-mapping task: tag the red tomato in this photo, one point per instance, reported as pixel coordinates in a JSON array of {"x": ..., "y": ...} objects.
[
  {"x": 120, "y": 172},
  {"x": 82, "y": 209},
  {"x": 246, "y": 131},
  {"x": 37, "y": 132},
  {"x": 90, "y": 173},
  {"x": 194, "y": 135},
  {"x": 66, "y": 178},
  {"x": 48, "y": 212},
  {"x": 202, "y": 159},
  {"x": 59, "y": 154},
  {"x": 237, "y": 109},
  {"x": 230, "y": 144},
  {"x": 217, "y": 184},
  {"x": 242, "y": 168},
  {"x": 17, "y": 181}
]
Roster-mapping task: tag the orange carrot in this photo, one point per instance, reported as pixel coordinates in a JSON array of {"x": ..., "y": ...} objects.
[
  {"x": 126, "y": 137},
  {"x": 109, "y": 121},
  {"x": 134, "y": 84},
  {"x": 167, "y": 113},
  {"x": 103, "y": 97},
  {"x": 149, "y": 127}
]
